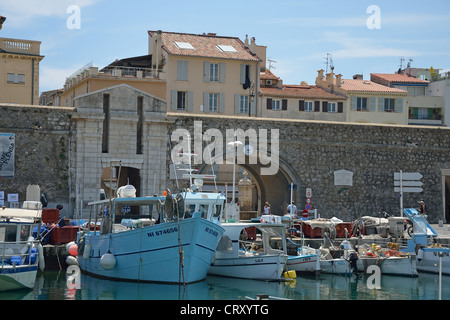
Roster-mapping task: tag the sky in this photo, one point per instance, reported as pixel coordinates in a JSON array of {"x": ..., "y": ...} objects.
[{"x": 361, "y": 37}]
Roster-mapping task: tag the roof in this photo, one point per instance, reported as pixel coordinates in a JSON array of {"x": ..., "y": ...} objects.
[
  {"x": 301, "y": 91},
  {"x": 268, "y": 75},
  {"x": 397, "y": 78},
  {"x": 361, "y": 85},
  {"x": 205, "y": 45}
]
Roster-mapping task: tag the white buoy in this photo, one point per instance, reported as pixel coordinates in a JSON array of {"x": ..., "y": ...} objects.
[
  {"x": 71, "y": 261},
  {"x": 41, "y": 257},
  {"x": 127, "y": 191},
  {"x": 87, "y": 251},
  {"x": 108, "y": 261}
]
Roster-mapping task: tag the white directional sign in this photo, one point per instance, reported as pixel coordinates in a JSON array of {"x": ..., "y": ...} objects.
[
  {"x": 408, "y": 176},
  {"x": 408, "y": 182}
]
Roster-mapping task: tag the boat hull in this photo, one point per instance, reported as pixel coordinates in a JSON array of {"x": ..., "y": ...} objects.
[
  {"x": 304, "y": 264},
  {"x": 336, "y": 266},
  {"x": 20, "y": 277},
  {"x": 428, "y": 261},
  {"x": 263, "y": 267},
  {"x": 152, "y": 253},
  {"x": 400, "y": 266}
]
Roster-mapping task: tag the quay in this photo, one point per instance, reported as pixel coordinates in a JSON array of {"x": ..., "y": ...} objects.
[{"x": 55, "y": 255}]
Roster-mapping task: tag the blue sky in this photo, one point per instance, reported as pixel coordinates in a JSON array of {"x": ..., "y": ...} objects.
[{"x": 298, "y": 34}]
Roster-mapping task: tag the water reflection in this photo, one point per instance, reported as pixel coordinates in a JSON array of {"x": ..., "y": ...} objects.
[{"x": 54, "y": 286}]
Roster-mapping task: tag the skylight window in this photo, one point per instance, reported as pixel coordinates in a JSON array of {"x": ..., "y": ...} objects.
[
  {"x": 226, "y": 48},
  {"x": 184, "y": 45}
]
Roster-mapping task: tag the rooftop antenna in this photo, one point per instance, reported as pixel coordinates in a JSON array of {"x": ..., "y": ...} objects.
[
  {"x": 271, "y": 64},
  {"x": 402, "y": 59},
  {"x": 329, "y": 62}
]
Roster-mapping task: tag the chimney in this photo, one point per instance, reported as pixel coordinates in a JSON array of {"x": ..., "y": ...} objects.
[
  {"x": 338, "y": 80},
  {"x": 246, "y": 41},
  {"x": 330, "y": 79}
]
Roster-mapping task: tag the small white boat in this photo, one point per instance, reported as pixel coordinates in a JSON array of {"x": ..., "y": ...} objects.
[
  {"x": 20, "y": 253},
  {"x": 176, "y": 248},
  {"x": 238, "y": 257},
  {"x": 333, "y": 265},
  {"x": 307, "y": 261}
]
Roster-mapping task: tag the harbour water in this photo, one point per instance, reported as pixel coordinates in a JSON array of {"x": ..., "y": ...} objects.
[{"x": 61, "y": 285}]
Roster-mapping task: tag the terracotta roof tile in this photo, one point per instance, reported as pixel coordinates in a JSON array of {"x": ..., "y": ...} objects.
[
  {"x": 268, "y": 75},
  {"x": 205, "y": 45},
  {"x": 301, "y": 91},
  {"x": 367, "y": 86},
  {"x": 397, "y": 78}
]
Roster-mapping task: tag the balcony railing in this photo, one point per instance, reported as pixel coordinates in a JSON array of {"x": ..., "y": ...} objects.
[{"x": 20, "y": 46}]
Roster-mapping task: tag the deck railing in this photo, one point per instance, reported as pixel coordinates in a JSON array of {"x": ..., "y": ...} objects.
[{"x": 20, "y": 46}]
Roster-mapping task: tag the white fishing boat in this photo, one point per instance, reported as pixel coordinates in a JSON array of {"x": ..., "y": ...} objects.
[
  {"x": 20, "y": 253},
  {"x": 177, "y": 247},
  {"x": 245, "y": 251},
  {"x": 334, "y": 264},
  {"x": 431, "y": 257},
  {"x": 307, "y": 261}
]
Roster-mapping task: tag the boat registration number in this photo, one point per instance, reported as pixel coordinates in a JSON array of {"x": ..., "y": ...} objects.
[{"x": 162, "y": 232}]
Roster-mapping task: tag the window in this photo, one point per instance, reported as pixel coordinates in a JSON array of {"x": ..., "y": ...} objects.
[
  {"x": 16, "y": 78},
  {"x": 361, "y": 104},
  {"x": 243, "y": 105},
  {"x": 276, "y": 104},
  {"x": 181, "y": 100},
  {"x": 213, "y": 102},
  {"x": 226, "y": 48},
  {"x": 214, "y": 72},
  {"x": 389, "y": 105},
  {"x": 184, "y": 45},
  {"x": 309, "y": 106},
  {"x": 332, "y": 107}
]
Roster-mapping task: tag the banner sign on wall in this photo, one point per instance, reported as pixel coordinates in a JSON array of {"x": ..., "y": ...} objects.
[{"x": 7, "y": 147}]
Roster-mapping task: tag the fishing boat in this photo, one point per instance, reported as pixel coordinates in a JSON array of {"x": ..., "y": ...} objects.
[
  {"x": 431, "y": 257},
  {"x": 245, "y": 251},
  {"x": 20, "y": 253},
  {"x": 307, "y": 261},
  {"x": 176, "y": 247}
]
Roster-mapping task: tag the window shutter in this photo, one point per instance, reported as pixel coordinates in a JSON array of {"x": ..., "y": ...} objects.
[
  {"x": 206, "y": 71},
  {"x": 354, "y": 103},
  {"x": 340, "y": 107},
  {"x": 190, "y": 101},
  {"x": 380, "y": 104},
  {"x": 399, "y": 106},
  {"x": 237, "y": 103},
  {"x": 324, "y": 106},
  {"x": 301, "y": 105},
  {"x": 182, "y": 70},
  {"x": 284, "y": 103},
  {"x": 242, "y": 78},
  {"x": 316, "y": 106},
  {"x": 205, "y": 101},
  {"x": 222, "y": 72},
  {"x": 269, "y": 103},
  {"x": 173, "y": 99},
  {"x": 372, "y": 104},
  {"x": 221, "y": 102}
]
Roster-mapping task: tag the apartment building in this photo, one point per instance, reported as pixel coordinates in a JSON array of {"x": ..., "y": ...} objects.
[
  {"x": 302, "y": 101},
  {"x": 207, "y": 73},
  {"x": 19, "y": 71},
  {"x": 367, "y": 101},
  {"x": 423, "y": 108}
]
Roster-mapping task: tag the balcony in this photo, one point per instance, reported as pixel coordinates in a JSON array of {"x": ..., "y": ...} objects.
[
  {"x": 425, "y": 116},
  {"x": 20, "y": 46}
]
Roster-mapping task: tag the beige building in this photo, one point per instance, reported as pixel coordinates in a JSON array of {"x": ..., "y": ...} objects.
[
  {"x": 19, "y": 71},
  {"x": 208, "y": 74},
  {"x": 423, "y": 108},
  {"x": 302, "y": 101},
  {"x": 367, "y": 101}
]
